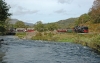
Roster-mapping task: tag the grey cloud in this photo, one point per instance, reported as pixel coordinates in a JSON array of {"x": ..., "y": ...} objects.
[
  {"x": 61, "y": 11},
  {"x": 22, "y": 11},
  {"x": 25, "y": 12},
  {"x": 21, "y": 8},
  {"x": 64, "y": 1}
]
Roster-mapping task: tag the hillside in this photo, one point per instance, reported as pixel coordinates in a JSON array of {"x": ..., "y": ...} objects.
[
  {"x": 66, "y": 23},
  {"x": 13, "y": 21}
]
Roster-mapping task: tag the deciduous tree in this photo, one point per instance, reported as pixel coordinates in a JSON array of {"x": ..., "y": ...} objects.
[
  {"x": 20, "y": 24},
  {"x": 39, "y": 26},
  {"x": 83, "y": 19},
  {"x": 52, "y": 26},
  {"x": 95, "y": 12}
]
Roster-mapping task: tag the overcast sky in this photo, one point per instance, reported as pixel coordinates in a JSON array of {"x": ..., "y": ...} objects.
[{"x": 47, "y": 11}]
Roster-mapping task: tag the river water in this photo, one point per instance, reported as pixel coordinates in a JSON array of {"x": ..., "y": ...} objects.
[{"x": 14, "y": 50}]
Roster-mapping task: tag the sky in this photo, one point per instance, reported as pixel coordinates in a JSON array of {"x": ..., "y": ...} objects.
[{"x": 47, "y": 11}]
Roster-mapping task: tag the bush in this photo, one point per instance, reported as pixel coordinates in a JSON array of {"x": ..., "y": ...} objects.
[
  {"x": 95, "y": 42},
  {"x": 2, "y": 30},
  {"x": 46, "y": 36},
  {"x": 21, "y": 34}
]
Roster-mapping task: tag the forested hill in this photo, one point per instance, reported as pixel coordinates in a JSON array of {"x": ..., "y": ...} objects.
[{"x": 67, "y": 23}]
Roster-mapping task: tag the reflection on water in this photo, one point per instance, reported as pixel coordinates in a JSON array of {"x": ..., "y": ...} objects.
[{"x": 15, "y": 50}]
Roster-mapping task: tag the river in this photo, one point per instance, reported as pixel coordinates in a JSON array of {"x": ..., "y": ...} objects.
[{"x": 15, "y": 50}]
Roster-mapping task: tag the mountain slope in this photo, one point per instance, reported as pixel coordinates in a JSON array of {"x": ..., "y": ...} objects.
[
  {"x": 66, "y": 23},
  {"x": 13, "y": 21}
]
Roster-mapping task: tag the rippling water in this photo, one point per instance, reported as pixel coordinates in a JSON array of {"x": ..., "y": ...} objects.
[{"x": 14, "y": 50}]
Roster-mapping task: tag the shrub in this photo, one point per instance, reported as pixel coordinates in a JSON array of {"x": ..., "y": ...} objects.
[{"x": 21, "y": 34}]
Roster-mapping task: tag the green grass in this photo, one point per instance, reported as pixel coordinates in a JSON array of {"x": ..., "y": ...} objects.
[
  {"x": 21, "y": 34},
  {"x": 66, "y": 37},
  {"x": 44, "y": 36}
]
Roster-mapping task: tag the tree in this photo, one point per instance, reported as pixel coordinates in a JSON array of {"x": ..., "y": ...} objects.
[
  {"x": 7, "y": 23},
  {"x": 95, "y": 12},
  {"x": 19, "y": 24},
  {"x": 83, "y": 19},
  {"x": 4, "y": 8},
  {"x": 52, "y": 26},
  {"x": 39, "y": 26}
]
